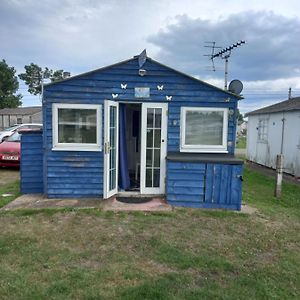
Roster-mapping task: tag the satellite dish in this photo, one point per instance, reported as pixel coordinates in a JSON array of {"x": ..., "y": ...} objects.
[{"x": 235, "y": 86}]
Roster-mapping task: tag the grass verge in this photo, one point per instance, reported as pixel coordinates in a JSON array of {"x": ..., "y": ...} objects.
[
  {"x": 185, "y": 254},
  {"x": 242, "y": 144},
  {"x": 12, "y": 189}
]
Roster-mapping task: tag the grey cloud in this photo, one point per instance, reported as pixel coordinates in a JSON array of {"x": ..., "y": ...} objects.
[
  {"x": 74, "y": 35},
  {"x": 271, "y": 51}
]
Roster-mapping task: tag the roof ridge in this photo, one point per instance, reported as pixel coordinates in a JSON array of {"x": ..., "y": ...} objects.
[
  {"x": 150, "y": 59},
  {"x": 285, "y": 105}
]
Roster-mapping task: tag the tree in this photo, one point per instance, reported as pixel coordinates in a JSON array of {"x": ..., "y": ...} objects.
[
  {"x": 240, "y": 117},
  {"x": 34, "y": 75},
  {"x": 8, "y": 87}
]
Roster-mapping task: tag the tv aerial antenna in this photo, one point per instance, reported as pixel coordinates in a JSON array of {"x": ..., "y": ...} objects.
[
  {"x": 213, "y": 47},
  {"x": 224, "y": 54}
]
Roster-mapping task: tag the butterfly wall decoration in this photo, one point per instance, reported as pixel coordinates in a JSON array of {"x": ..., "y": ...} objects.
[
  {"x": 160, "y": 87},
  {"x": 169, "y": 98},
  {"x": 124, "y": 86},
  {"x": 115, "y": 95}
]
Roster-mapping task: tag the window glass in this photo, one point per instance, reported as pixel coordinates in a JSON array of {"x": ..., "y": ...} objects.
[
  {"x": 263, "y": 130},
  {"x": 34, "y": 127},
  {"x": 204, "y": 128},
  {"x": 11, "y": 128},
  {"x": 77, "y": 126},
  {"x": 16, "y": 137}
]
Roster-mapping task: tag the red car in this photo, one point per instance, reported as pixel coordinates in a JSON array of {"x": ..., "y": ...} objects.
[{"x": 10, "y": 150}]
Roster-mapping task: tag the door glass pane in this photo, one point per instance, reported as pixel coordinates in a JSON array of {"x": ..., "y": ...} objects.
[
  {"x": 113, "y": 179},
  {"x": 156, "y": 163},
  {"x": 112, "y": 148},
  {"x": 157, "y": 138},
  {"x": 149, "y": 153},
  {"x": 112, "y": 116},
  {"x": 204, "y": 127},
  {"x": 153, "y": 147},
  {"x": 110, "y": 180},
  {"x": 157, "y": 123},
  {"x": 150, "y": 117},
  {"x": 148, "y": 177},
  {"x": 112, "y": 137},
  {"x": 156, "y": 177},
  {"x": 149, "y": 138},
  {"x": 113, "y": 158}
]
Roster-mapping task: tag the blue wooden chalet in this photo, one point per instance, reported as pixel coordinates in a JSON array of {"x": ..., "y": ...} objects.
[{"x": 136, "y": 127}]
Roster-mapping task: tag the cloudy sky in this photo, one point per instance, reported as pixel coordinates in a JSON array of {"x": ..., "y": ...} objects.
[{"x": 78, "y": 36}]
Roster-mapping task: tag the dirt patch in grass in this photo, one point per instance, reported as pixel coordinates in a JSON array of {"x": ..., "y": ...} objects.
[
  {"x": 247, "y": 209},
  {"x": 8, "y": 175}
]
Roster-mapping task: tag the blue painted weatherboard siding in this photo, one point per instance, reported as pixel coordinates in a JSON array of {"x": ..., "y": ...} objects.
[
  {"x": 204, "y": 185},
  {"x": 74, "y": 174},
  {"x": 84, "y": 178},
  {"x": 31, "y": 168}
]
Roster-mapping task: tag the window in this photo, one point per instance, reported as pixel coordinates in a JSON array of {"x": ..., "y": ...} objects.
[
  {"x": 204, "y": 129},
  {"x": 15, "y": 137},
  {"x": 263, "y": 130},
  {"x": 19, "y": 120},
  {"x": 36, "y": 127},
  {"x": 76, "y": 127}
]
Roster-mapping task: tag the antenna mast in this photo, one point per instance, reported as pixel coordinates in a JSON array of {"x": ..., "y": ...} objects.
[{"x": 225, "y": 54}]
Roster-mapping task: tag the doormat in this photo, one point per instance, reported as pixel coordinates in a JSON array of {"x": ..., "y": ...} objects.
[{"x": 134, "y": 200}]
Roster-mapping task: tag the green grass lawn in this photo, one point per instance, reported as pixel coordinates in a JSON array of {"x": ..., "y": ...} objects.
[
  {"x": 10, "y": 192},
  {"x": 186, "y": 254},
  {"x": 242, "y": 144}
]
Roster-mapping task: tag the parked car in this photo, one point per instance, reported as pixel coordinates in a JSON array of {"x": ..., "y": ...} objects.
[
  {"x": 9, "y": 131},
  {"x": 10, "y": 149}
]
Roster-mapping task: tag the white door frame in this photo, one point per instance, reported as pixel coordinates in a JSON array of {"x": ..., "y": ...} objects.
[
  {"x": 106, "y": 149},
  {"x": 163, "y": 154}
]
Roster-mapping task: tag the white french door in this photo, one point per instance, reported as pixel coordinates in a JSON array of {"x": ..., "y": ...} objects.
[
  {"x": 111, "y": 148},
  {"x": 153, "y": 148}
]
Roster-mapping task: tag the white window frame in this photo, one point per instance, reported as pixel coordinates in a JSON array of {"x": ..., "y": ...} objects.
[
  {"x": 76, "y": 146},
  {"x": 263, "y": 130},
  {"x": 203, "y": 148}
]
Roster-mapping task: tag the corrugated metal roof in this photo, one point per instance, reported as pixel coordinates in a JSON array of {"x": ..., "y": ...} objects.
[
  {"x": 287, "y": 105},
  {"x": 21, "y": 110}
]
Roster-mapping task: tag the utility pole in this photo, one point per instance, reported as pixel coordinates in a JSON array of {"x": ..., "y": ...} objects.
[
  {"x": 279, "y": 163},
  {"x": 42, "y": 87}
]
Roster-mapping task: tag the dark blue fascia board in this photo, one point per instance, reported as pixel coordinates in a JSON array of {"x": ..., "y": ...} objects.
[{"x": 221, "y": 158}]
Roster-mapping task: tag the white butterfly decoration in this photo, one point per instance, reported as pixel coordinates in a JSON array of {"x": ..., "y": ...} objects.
[
  {"x": 160, "y": 87},
  {"x": 123, "y": 86},
  {"x": 115, "y": 95},
  {"x": 169, "y": 98}
]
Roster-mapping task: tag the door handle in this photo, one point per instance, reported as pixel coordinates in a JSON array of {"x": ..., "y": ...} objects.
[{"x": 106, "y": 148}]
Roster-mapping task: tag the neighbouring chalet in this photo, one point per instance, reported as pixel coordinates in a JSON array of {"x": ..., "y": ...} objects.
[
  {"x": 274, "y": 130},
  {"x": 136, "y": 127},
  {"x": 20, "y": 115}
]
